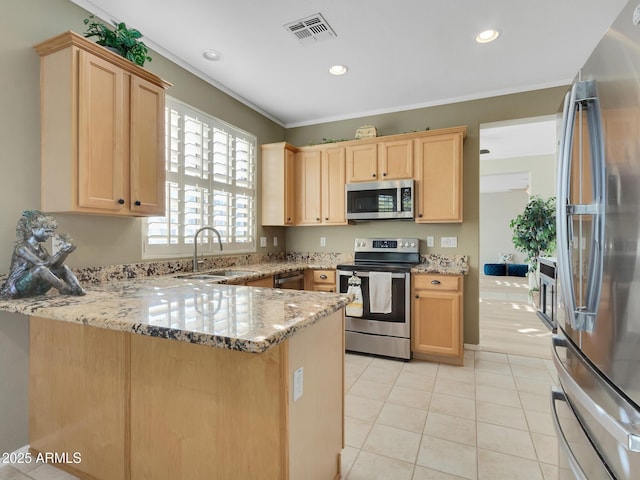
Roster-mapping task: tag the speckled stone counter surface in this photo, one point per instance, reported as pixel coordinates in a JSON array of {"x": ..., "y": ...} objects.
[
  {"x": 152, "y": 299},
  {"x": 207, "y": 312},
  {"x": 443, "y": 264}
]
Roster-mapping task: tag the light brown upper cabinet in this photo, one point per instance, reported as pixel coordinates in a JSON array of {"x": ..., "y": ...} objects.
[
  {"x": 380, "y": 161},
  {"x": 319, "y": 186},
  {"x": 278, "y": 179},
  {"x": 333, "y": 182},
  {"x": 102, "y": 131},
  {"x": 312, "y": 179},
  {"x": 307, "y": 187},
  {"x": 438, "y": 172}
]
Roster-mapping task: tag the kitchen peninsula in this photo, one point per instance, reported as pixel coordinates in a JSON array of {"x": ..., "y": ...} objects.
[{"x": 166, "y": 377}]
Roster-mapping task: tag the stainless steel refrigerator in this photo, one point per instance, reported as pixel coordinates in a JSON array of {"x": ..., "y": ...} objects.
[{"x": 596, "y": 407}]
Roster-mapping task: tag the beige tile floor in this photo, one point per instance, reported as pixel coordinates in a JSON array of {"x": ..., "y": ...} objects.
[
  {"x": 487, "y": 420},
  {"x": 418, "y": 420}
]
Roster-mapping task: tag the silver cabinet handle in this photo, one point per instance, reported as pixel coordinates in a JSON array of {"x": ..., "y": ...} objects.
[
  {"x": 323, "y": 276},
  {"x": 435, "y": 282},
  {"x": 630, "y": 440}
]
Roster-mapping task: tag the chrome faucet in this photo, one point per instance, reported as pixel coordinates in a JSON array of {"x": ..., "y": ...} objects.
[{"x": 195, "y": 244}]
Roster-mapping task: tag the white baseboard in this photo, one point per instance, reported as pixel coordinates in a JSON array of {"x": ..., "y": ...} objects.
[{"x": 472, "y": 346}]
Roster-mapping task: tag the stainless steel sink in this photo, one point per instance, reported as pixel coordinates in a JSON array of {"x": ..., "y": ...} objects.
[
  {"x": 233, "y": 273},
  {"x": 202, "y": 276}
]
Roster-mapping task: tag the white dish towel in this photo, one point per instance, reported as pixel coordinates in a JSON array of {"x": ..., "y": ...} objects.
[{"x": 380, "y": 292}]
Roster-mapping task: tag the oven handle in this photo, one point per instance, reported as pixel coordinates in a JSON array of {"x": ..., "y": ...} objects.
[{"x": 359, "y": 273}]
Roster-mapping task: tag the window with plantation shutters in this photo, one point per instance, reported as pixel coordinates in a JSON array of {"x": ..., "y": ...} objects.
[{"x": 210, "y": 181}]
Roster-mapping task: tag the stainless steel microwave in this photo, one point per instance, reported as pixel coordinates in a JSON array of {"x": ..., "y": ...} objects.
[{"x": 392, "y": 199}]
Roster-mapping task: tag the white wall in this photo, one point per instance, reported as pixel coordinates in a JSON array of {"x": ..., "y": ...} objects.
[{"x": 498, "y": 209}]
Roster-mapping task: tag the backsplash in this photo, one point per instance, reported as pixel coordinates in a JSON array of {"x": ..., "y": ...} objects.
[
  {"x": 459, "y": 263},
  {"x": 106, "y": 273}
]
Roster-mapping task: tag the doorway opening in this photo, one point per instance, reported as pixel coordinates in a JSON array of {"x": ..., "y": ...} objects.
[{"x": 517, "y": 161}]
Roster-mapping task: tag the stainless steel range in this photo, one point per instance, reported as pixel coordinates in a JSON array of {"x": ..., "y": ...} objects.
[{"x": 381, "y": 325}]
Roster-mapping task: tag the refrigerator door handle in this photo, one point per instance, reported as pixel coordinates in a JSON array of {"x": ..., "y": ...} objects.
[
  {"x": 583, "y": 95},
  {"x": 574, "y": 465},
  {"x": 630, "y": 440}
]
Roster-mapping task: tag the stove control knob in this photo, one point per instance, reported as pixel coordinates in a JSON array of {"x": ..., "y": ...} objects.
[{"x": 413, "y": 244}]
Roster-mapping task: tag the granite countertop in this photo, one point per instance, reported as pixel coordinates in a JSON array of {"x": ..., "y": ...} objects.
[
  {"x": 443, "y": 264},
  {"x": 214, "y": 312},
  {"x": 205, "y": 312}
]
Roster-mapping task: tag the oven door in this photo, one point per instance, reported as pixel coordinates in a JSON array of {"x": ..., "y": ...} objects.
[{"x": 396, "y": 323}]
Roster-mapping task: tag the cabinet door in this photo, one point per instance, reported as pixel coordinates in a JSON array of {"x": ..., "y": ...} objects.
[
  {"x": 333, "y": 182},
  {"x": 396, "y": 160},
  {"x": 147, "y": 155},
  {"x": 439, "y": 172},
  {"x": 362, "y": 163},
  {"x": 436, "y": 326},
  {"x": 289, "y": 187},
  {"x": 101, "y": 134},
  {"x": 278, "y": 178},
  {"x": 307, "y": 187}
]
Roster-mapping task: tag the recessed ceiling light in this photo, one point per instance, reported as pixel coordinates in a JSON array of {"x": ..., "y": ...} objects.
[
  {"x": 338, "y": 69},
  {"x": 212, "y": 55},
  {"x": 487, "y": 36}
]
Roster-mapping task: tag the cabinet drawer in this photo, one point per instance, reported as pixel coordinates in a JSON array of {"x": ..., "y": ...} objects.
[
  {"x": 436, "y": 282},
  {"x": 324, "y": 276},
  {"x": 324, "y": 287}
]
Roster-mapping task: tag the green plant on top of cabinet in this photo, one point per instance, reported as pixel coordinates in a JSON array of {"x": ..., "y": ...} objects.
[
  {"x": 278, "y": 180},
  {"x": 102, "y": 132}
]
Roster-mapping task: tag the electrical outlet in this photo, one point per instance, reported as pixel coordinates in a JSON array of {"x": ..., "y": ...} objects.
[
  {"x": 323, "y": 241},
  {"x": 263, "y": 241},
  {"x": 297, "y": 384},
  {"x": 449, "y": 242},
  {"x": 275, "y": 241},
  {"x": 430, "y": 242}
]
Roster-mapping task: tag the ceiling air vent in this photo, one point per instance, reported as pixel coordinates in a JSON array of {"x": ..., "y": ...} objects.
[{"x": 311, "y": 29}]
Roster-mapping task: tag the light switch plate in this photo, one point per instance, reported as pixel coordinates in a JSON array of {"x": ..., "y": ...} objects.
[
  {"x": 449, "y": 242},
  {"x": 430, "y": 242},
  {"x": 263, "y": 241},
  {"x": 275, "y": 241},
  {"x": 297, "y": 384},
  {"x": 323, "y": 241}
]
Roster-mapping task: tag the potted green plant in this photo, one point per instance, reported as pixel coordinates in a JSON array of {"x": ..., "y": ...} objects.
[
  {"x": 534, "y": 232},
  {"x": 122, "y": 40}
]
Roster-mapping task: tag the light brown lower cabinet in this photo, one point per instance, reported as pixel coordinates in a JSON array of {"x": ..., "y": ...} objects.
[
  {"x": 437, "y": 319},
  {"x": 265, "y": 282},
  {"x": 141, "y": 407}
]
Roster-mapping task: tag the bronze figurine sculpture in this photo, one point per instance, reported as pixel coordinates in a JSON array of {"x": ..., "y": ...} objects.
[{"x": 33, "y": 270}]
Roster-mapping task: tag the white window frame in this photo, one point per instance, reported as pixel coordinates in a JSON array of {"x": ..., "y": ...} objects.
[{"x": 190, "y": 200}]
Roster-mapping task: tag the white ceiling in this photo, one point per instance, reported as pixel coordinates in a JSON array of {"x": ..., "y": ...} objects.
[
  {"x": 529, "y": 137},
  {"x": 401, "y": 55}
]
